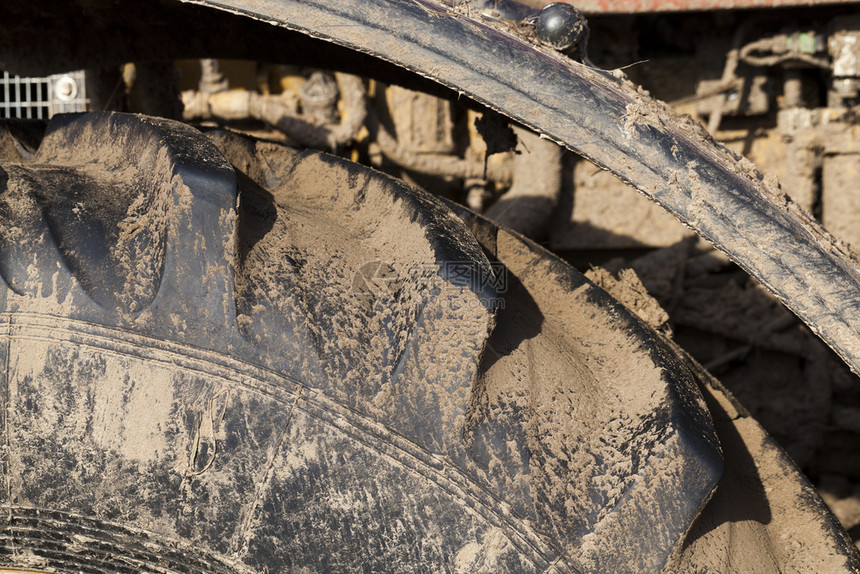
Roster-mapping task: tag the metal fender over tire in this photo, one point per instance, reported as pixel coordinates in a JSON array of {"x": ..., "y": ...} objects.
[
  {"x": 670, "y": 159},
  {"x": 258, "y": 359}
]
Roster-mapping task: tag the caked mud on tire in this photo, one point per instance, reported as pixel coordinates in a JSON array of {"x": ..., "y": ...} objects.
[{"x": 248, "y": 358}]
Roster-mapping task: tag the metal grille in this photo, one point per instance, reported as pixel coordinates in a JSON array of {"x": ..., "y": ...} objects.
[{"x": 41, "y": 98}]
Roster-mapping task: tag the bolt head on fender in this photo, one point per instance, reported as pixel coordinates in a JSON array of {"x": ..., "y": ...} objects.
[{"x": 560, "y": 26}]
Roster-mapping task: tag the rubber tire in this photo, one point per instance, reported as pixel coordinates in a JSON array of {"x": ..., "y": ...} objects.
[{"x": 250, "y": 358}]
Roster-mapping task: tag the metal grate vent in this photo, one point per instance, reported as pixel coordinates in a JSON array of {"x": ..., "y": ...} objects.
[{"x": 41, "y": 98}]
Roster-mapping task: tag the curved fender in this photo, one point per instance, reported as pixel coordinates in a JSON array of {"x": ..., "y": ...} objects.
[{"x": 669, "y": 158}]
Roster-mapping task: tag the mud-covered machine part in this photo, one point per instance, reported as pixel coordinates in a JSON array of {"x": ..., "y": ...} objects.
[
  {"x": 212, "y": 366},
  {"x": 243, "y": 374}
]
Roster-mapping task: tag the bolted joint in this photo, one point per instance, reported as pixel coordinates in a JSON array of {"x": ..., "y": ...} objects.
[{"x": 561, "y": 27}]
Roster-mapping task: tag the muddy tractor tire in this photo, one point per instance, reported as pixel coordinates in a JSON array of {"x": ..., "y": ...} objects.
[{"x": 227, "y": 355}]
